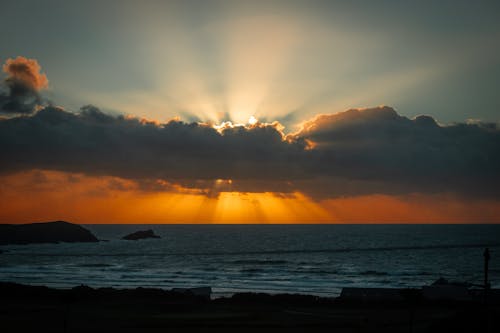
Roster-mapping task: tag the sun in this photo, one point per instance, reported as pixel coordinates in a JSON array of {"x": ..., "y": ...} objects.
[{"x": 252, "y": 120}]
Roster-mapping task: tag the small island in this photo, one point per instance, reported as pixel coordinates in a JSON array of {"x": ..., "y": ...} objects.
[
  {"x": 44, "y": 232},
  {"x": 141, "y": 234}
]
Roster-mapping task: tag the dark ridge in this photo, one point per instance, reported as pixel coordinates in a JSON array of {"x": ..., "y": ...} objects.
[
  {"x": 82, "y": 292},
  {"x": 141, "y": 234},
  {"x": 44, "y": 232}
]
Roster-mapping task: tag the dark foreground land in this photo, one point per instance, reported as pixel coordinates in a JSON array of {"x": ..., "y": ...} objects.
[{"x": 83, "y": 309}]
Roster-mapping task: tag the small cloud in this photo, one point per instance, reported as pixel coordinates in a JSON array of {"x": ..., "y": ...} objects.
[
  {"x": 26, "y": 72},
  {"x": 20, "y": 90}
]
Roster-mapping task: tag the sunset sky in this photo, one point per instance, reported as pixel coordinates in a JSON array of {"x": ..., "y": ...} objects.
[{"x": 250, "y": 111}]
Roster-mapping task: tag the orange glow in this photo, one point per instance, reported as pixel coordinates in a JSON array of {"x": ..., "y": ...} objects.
[
  {"x": 414, "y": 208},
  {"x": 50, "y": 195}
]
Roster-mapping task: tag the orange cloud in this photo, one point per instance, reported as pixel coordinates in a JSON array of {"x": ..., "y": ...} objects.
[
  {"x": 39, "y": 195},
  {"x": 413, "y": 208},
  {"x": 25, "y": 71}
]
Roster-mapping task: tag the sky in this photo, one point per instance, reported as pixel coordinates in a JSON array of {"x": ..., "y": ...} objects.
[{"x": 250, "y": 111}]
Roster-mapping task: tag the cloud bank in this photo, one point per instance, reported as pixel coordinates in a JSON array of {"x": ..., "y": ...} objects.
[
  {"x": 19, "y": 92},
  {"x": 356, "y": 152}
]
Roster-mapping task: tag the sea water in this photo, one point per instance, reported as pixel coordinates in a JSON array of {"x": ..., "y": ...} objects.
[{"x": 309, "y": 259}]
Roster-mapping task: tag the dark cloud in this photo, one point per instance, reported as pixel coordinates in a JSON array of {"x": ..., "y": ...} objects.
[
  {"x": 378, "y": 151},
  {"x": 96, "y": 143},
  {"x": 348, "y": 153},
  {"x": 19, "y": 92}
]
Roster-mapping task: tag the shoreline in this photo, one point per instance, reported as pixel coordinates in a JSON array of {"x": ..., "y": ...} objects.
[{"x": 83, "y": 309}]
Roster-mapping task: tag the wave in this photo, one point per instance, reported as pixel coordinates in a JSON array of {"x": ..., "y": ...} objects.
[
  {"x": 423, "y": 273},
  {"x": 251, "y": 270},
  {"x": 259, "y": 262},
  {"x": 375, "y": 273},
  {"x": 263, "y": 252},
  {"x": 97, "y": 265},
  {"x": 314, "y": 270}
]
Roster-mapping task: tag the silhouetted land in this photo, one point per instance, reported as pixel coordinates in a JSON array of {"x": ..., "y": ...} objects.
[
  {"x": 83, "y": 309},
  {"x": 45, "y": 232},
  {"x": 141, "y": 234}
]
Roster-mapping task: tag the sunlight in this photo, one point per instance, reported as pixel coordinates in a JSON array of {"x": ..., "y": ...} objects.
[
  {"x": 258, "y": 49},
  {"x": 267, "y": 207}
]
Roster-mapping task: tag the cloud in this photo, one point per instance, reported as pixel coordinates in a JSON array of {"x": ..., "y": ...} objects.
[
  {"x": 376, "y": 150},
  {"x": 19, "y": 92},
  {"x": 25, "y": 71},
  {"x": 356, "y": 152},
  {"x": 97, "y": 143}
]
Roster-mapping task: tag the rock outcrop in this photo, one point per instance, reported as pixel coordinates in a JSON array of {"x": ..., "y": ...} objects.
[
  {"x": 44, "y": 232},
  {"x": 141, "y": 234}
]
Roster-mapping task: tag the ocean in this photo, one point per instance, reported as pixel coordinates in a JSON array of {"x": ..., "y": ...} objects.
[{"x": 308, "y": 259}]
